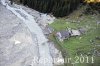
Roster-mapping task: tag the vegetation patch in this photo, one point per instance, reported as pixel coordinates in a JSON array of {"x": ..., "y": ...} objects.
[
  {"x": 78, "y": 45},
  {"x": 58, "y": 8}
]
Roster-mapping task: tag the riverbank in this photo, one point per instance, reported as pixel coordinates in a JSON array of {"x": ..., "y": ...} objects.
[
  {"x": 17, "y": 45},
  {"x": 44, "y": 50}
]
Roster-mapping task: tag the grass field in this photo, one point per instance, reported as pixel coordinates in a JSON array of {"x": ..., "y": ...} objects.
[{"x": 80, "y": 44}]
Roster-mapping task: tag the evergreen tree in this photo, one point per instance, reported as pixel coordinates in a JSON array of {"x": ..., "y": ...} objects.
[{"x": 59, "y": 8}]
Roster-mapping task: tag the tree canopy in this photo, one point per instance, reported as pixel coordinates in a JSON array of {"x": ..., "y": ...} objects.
[
  {"x": 92, "y": 1},
  {"x": 58, "y": 8}
]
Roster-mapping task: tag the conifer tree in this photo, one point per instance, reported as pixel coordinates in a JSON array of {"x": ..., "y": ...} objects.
[{"x": 58, "y": 8}]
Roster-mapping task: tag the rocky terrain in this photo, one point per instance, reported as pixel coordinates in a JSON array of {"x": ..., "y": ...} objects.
[
  {"x": 16, "y": 42},
  {"x": 22, "y": 41}
]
